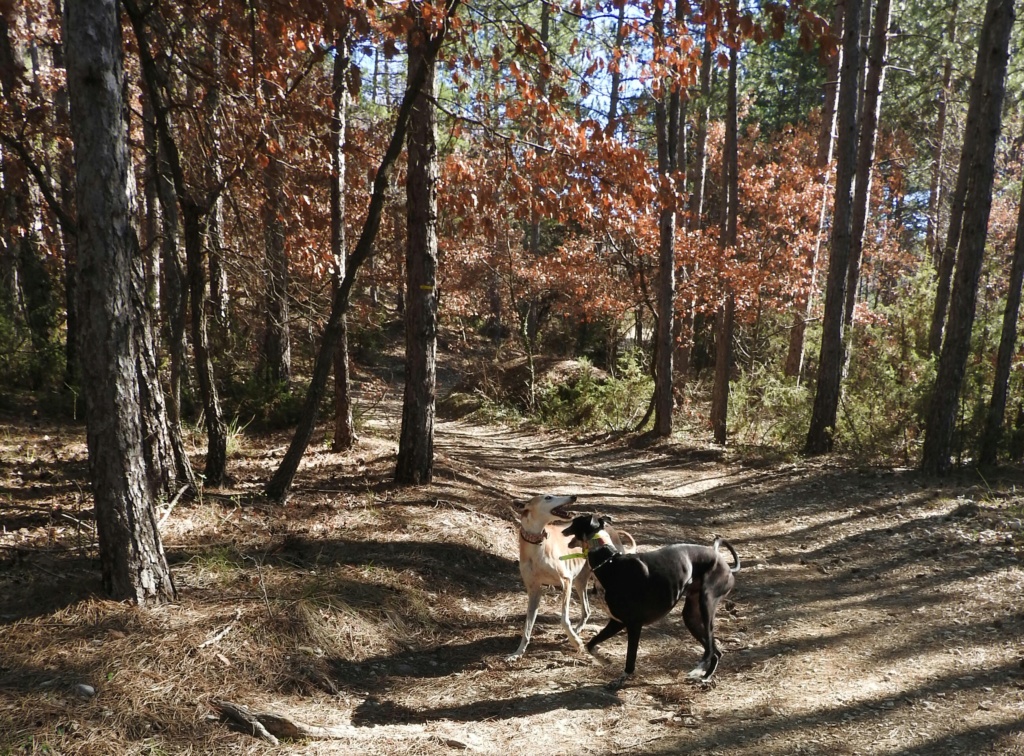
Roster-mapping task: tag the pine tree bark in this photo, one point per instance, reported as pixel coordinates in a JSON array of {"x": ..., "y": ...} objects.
[
  {"x": 993, "y": 432},
  {"x": 416, "y": 442},
  {"x": 830, "y": 361},
  {"x": 979, "y": 163},
  {"x": 131, "y": 555},
  {"x": 344, "y": 427}
]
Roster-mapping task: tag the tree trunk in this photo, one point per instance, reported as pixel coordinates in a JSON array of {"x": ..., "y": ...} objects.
[
  {"x": 724, "y": 319},
  {"x": 278, "y": 486},
  {"x": 803, "y": 306},
  {"x": 194, "y": 215},
  {"x": 830, "y": 361},
  {"x": 131, "y": 555},
  {"x": 873, "y": 86},
  {"x": 993, "y": 432},
  {"x": 344, "y": 427},
  {"x": 979, "y": 163},
  {"x": 663, "y": 354},
  {"x": 616, "y": 73},
  {"x": 947, "y": 259},
  {"x": 935, "y": 187},
  {"x": 277, "y": 352},
  {"x": 416, "y": 443}
]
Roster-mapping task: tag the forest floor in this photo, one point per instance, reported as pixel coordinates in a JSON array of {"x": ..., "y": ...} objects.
[{"x": 877, "y": 612}]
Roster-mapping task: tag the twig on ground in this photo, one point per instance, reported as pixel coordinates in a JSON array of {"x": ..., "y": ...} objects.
[
  {"x": 219, "y": 636},
  {"x": 171, "y": 506}
]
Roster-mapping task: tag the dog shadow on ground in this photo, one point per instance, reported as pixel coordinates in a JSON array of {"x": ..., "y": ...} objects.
[{"x": 374, "y": 711}]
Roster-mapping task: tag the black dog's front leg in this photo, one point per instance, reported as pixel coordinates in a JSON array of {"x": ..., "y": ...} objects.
[
  {"x": 632, "y": 646},
  {"x": 609, "y": 630}
]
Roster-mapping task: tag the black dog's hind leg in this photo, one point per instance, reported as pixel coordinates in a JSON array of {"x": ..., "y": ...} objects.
[
  {"x": 699, "y": 616},
  {"x": 633, "y": 643}
]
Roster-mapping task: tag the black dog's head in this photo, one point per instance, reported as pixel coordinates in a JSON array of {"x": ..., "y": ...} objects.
[{"x": 583, "y": 529}]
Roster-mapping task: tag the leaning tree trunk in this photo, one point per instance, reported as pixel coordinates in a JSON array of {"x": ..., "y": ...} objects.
[
  {"x": 724, "y": 319},
  {"x": 416, "y": 442},
  {"x": 830, "y": 361},
  {"x": 131, "y": 555},
  {"x": 979, "y": 162},
  {"x": 344, "y": 427},
  {"x": 993, "y": 432},
  {"x": 278, "y": 486},
  {"x": 663, "y": 353}
]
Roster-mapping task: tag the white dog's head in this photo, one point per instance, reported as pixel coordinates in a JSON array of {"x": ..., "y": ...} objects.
[{"x": 545, "y": 508}]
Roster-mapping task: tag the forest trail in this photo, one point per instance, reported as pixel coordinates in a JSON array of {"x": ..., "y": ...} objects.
[{"x": 877, "y": 612}]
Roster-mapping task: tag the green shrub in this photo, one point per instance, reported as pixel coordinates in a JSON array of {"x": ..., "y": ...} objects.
[{"x": 588, "y": 400}]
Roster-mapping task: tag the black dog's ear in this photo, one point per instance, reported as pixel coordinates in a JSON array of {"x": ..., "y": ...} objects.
[{"x": 606, "y": 520}]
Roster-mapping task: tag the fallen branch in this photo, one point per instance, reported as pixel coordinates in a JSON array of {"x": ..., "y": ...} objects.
[
  {"x": 270, "y": 725},
  {"x": 171, "y": 506}
]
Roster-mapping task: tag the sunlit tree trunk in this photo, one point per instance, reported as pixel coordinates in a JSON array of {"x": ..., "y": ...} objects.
[
  {"x": 131, "y": 555},
  {"x": 416, "y": 442},
  {"x": 724, "y": 319},
  {"x": 979, "y": 162},
  {"x": 803, "y": 304},
  {"x": 663, "y": 352},
  {"x": 344, "y": 427},
  {"x": 830, "y": 361}
]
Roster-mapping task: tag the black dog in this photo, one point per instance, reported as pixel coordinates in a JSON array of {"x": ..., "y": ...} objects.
[{"x": 642, "y": 588}]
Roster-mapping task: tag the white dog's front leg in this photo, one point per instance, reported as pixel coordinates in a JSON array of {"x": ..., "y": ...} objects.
[{"x": 566, "y": 601}]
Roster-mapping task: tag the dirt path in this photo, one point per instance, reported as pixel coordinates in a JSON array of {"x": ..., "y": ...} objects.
[{"x": 874, "y": 614}]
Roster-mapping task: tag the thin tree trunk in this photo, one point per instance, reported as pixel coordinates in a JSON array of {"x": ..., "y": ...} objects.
[
  {"x": 344, "y": 427},
  {"x": 616, "y": 73},
  {"x": 935, "y": 187},
  {"x": 278, "y": 486},
  {"x": 993, "y": 432},
  {"x": 830, "y": 361},
  {"x": 979, "y": 162},
  {"x": 663, "y": 353},
  {"x": 803, "y": 306},
  {"x": 416, "y": 442},
  {"x": 724, "y": 319},
  {"x": 131, "y": 555},
  {"x": 277, "y": 352}
]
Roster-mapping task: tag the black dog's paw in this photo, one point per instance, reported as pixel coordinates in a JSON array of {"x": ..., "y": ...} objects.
[{"x": 618, "y": 683}]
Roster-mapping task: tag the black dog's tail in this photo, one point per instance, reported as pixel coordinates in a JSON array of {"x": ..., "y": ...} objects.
[{"x": 736, "y": 557}]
